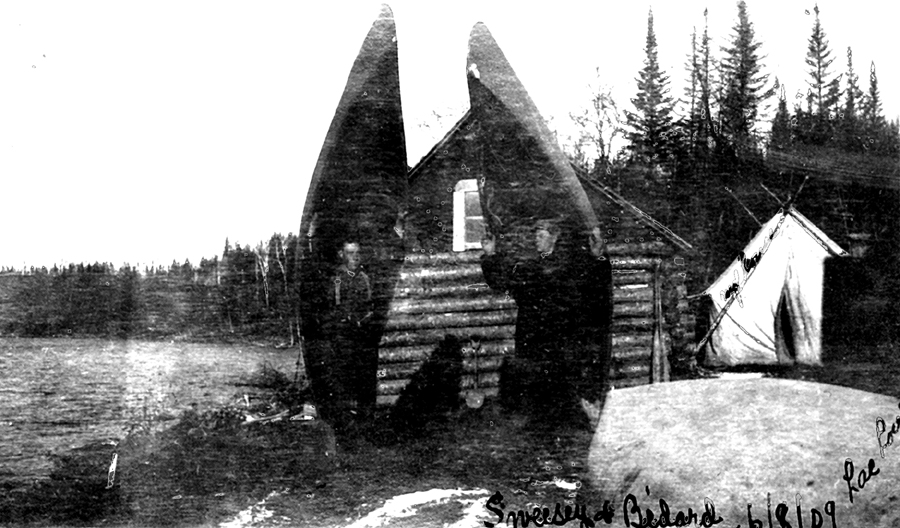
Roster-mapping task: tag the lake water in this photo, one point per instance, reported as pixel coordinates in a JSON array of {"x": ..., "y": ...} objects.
[{"x": 60, "y": 394}]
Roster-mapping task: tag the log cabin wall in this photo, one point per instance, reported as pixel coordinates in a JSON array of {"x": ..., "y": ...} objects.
[
  {"x": 441, "y": 292},
  {"x": 632, "y": 235}
]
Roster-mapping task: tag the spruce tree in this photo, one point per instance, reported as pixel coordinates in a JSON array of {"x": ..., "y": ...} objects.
[
  {"x": 850, "y": 118},
  {"x": 818, "y": 58},
  {"x": 879, "y": 136},
  {"x": 691, "y": 121},
  {"x": 823, "y": 95},
  {"x": 872, "y": 112},
  {"x": 695, "y": 126},
  {"x": 781, "y": 124},
  {"x": 744, "y": 85},
  {"x": 652, "y": 122},
  {"x": 705, "y": 131}
]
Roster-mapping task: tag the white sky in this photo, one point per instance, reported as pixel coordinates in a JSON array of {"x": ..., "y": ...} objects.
[{"x": 150, "y": 131}]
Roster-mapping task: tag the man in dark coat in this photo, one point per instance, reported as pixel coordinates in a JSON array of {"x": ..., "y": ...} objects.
[
  {"x": 341, "y": 366},
  {"x": 563, "y": 295}
]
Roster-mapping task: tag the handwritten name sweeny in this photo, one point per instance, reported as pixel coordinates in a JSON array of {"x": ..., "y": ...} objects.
[{"x": 634, "y": 517}]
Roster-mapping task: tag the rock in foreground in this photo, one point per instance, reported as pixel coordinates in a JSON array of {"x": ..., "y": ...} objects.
[{"x": 735, "y": 441}]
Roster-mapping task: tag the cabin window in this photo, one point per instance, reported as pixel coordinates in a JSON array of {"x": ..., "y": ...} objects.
[{"x": 468, "y": 222}]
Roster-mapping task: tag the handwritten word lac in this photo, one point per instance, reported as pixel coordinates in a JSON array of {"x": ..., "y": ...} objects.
[
  {"x": 861, "y": 479},
  {"x": 881, "y": 427},
  {"x": 781, "y": 513}
]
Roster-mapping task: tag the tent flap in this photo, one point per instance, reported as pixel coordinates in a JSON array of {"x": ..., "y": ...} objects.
[{"x": 776, "y": 317}]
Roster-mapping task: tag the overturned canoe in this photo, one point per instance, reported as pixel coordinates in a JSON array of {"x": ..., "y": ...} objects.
[{"x": 356, "y": 193}]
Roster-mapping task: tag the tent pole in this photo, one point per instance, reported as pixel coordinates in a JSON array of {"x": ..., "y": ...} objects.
[
  {"x": 793, "y": 198},
  {"x": 749, "y": 212},
  {"x": 779, "y": 202},
  {"x": 712, "y": 327}
]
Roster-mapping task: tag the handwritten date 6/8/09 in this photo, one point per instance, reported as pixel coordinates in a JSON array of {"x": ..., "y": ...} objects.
[{"x": 781, "y": 513}]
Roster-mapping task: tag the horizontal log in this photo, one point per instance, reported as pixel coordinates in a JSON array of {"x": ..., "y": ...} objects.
[
  {"x": 626, "y": 324},
  {"x": 631, "y": 353},
  {"x": 450, "y": 320},
  {"x": 488, "y": 392},
  {"x": 635, "y": 277},
  {"x": 634, "y": 263},
  {"x": 398, "y": 371},
  {"x": 486, "y": 301},
  {"x": 685, "y": 323},
  {"x": 423, "y": 352},
  {"x": 471, "y": 288},
  {"x": 392, "y": 386},
  {"x": 418, "y": 259},
  {"x": 632, "y": 294},
  {"x": 680, "y": 333},
  {"x": 623, "y": 340},
  {"x": 395, "y": 371},
  {"x": 630, "y": 370},
  {"x": 485, "y": 380},
  {"x": 483, "y": 364},
  {"x": 636, "y": 247},
  {"x": 633, "y": 309},
  {"x": 687, "y": 319},
  {"x": 437, "y": 274},
  {"x": 457, "y": 290},
  {"x": 434, "y": 336}
]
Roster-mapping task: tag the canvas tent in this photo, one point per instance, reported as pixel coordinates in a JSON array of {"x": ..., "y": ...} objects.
[{"x": 767, "y": 306}]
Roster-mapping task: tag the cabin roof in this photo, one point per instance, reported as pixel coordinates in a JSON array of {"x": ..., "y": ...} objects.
[
  {"x": 589, "y": 184},
  {"x": 592, "y": 184},
  {"x": 414, "y": 172}
]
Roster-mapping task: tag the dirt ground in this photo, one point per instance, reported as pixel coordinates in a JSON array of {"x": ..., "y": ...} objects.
[
  {"x": 194, "y": 475},
  {"x": 209, "y": 469}
]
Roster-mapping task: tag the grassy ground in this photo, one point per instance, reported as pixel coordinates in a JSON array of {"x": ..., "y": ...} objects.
[
  {"x": 202, "y": 473},
  {"x": 207, "y": 468}
]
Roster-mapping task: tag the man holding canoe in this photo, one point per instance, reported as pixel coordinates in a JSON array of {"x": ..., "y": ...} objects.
[{"x": 563, "y": 296}]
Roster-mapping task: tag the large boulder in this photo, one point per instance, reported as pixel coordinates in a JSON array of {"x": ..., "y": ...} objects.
[{"x": 736, "y": 442}]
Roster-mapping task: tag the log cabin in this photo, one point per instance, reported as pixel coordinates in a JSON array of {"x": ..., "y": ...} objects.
[{"x": 496, "y": 171}]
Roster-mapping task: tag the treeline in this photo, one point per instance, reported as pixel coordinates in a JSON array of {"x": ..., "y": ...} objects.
[
  {"x": 712, "y": 164},
  {"x": 248, "y": 292}
]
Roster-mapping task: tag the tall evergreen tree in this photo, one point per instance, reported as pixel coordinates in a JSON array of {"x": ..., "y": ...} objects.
[
  {"x": 691, "y": 120},
  {"x": 823, "y": 95},
  {"x": 878, "y": 136},
  {"x": 705, "y": 132},
  {"x": 853, "y": 98},
  {"x": 872, "y": 112},
  {"x": 653, "y": 120},
  {"x": 744, "y": 84},
  {"x": 781, "y": 124},
  {"x": 818, "y": 58}
]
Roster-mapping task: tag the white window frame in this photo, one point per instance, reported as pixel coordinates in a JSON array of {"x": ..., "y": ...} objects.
[{"x": 459, "y": 215}]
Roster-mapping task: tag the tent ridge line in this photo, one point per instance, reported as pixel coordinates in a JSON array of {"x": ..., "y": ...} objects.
[{"x": 812, "y": 233}]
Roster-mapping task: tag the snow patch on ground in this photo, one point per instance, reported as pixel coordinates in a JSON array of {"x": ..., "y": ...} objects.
[
  {"x": 405, "y": 506},
  {"x": 254, "y": 514}
]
